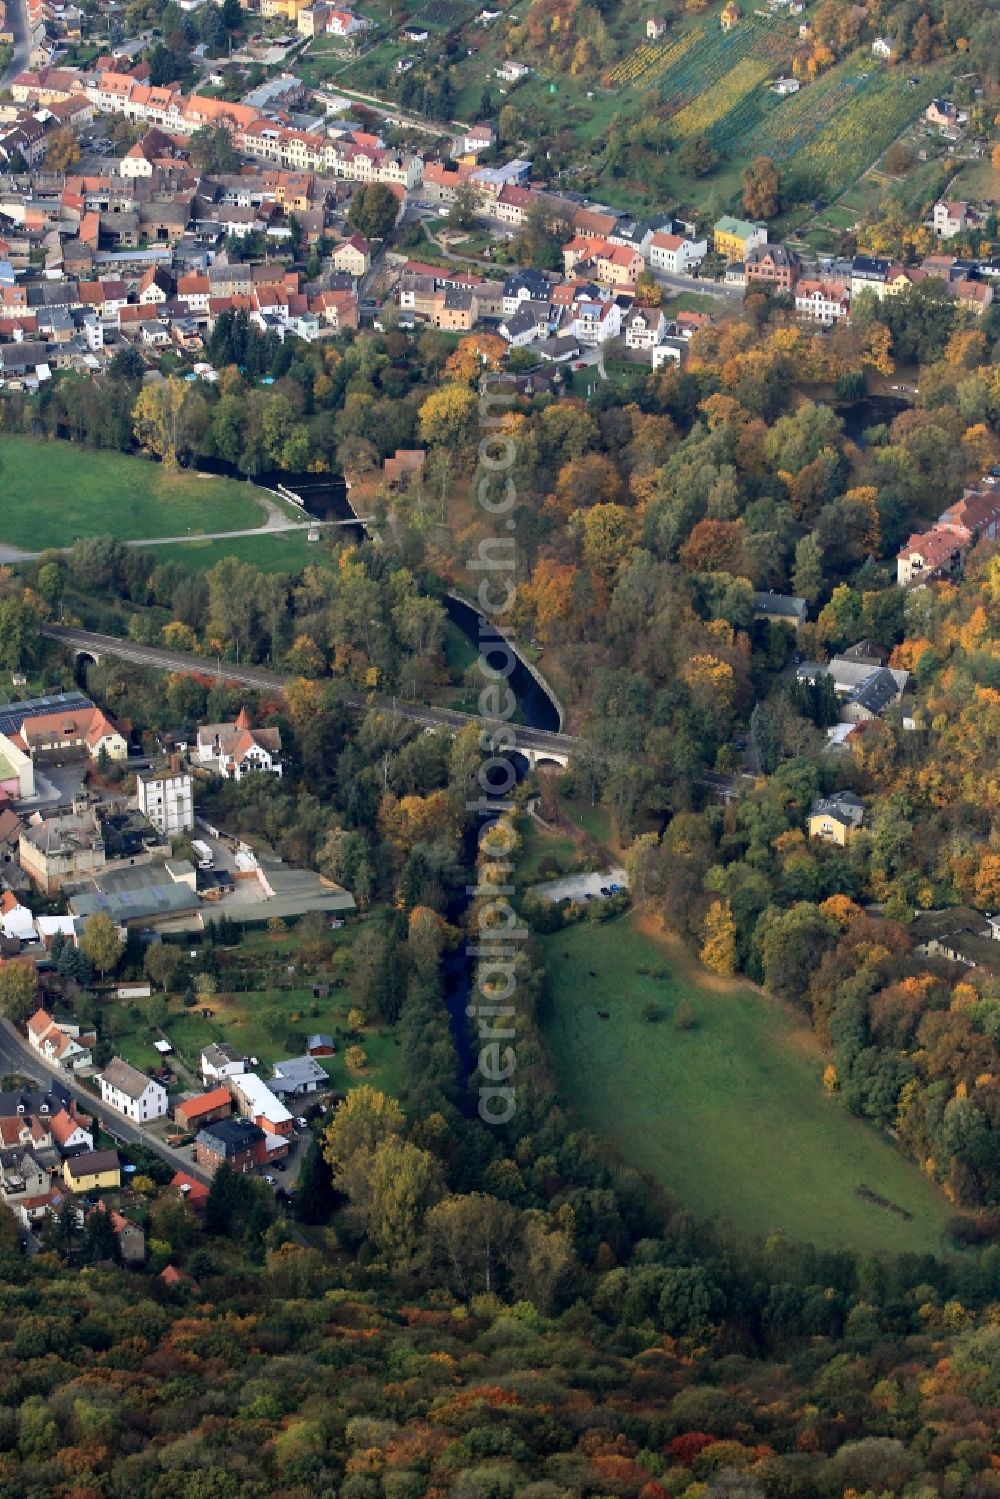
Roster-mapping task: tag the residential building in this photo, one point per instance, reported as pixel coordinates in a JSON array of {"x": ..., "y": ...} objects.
[
  {"x": 78, "y": 730},
  {"x": 131, "y": 1236},
  {"x": 930, "y": 554},
  {"x": 618, "y": 266},
  {"x": 878, "y": 690},
  {"x": 869, "y": 273},
  {"x": 406, "y": 465},
  {"x": 949, "y": 219},
  {"x": 190, "y": 1190},
  {"x": 733, "y": 239},
  {"x": 941, "y": 112},
  {"x": 959, "y": 934},
  {"x": 60, "y": 1042},
  {"x": 525, "y": 286},
  {"x": 656, "y": 27},
  {"x": 239, "y": 1143},
  {"x": 220, "y": 1061},
  {"x": 771, "y": 266},
  {"x": 884, "y": 48},
  {"x": 643, "y": 326},
  {"x": 730, "y": 17},
  {"x": 935, "y": 553},
  {"x": 26, "y": 1186},
  {"x": 17, "y": 922},
  {"x": 675, "y": 253},
  {"x": 204, "y": 1108},
  {"x": 298, "y": 1076},
  {"x": 131, "y": 1092},
  {"x": 513, "y": 72},
  {"x": 234, "y": 750},
  {"x": 780, "y": 608},
  {"x": 93, "y": 1171},
  {"x": 821, "y": 302},
  {"x": 352, "y": 255},
  {"x": 321, "y": 1045},
  {"x": 834, "y": 818},
  {"x": 166, "y": 798},
  {"x": 480, "y": 138}
]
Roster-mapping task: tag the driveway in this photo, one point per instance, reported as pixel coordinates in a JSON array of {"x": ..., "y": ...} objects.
[{"x": 579, "y": 886}]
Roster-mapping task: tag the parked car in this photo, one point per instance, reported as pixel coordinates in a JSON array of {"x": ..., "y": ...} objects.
[
  {"x": 301, "y": 1123},
  {"x": 270, "y": 1181},
  {"x": 279, "y": 1165}
]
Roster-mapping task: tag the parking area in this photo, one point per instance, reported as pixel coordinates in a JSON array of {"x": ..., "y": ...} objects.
[{"x": 583, "y": 886}]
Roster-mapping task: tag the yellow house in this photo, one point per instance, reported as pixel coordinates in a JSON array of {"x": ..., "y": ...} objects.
[
  {"x": 835, "y": 818},
  {"x": 733, "y": 239},
  {"x": 94, "y": 1170},
  {"x": 730, "y": 16},
  {"x": 287, "y": 9}
]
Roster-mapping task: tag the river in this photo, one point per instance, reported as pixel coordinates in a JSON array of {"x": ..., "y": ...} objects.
[
  {"x": 871, "y": 411},
  {"x": 325, "y": 497}
]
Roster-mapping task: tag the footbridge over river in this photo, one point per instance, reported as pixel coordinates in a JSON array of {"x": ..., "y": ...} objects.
[{"x": 535, "y": 745}]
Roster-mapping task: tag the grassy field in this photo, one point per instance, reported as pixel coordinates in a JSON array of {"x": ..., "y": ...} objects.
[
  {"x": 979, "y": 180},
  {"x": 274, "y": 552},
  {"x": 57, "y": 491},
  {"x": 729, "y": 1116}
]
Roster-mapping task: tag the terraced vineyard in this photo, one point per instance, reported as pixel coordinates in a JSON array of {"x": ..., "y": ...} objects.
[
  {"x": 646, "y": 65},
  {"x": 712, "y": 70},
  {"x": 838, "y": 126},
  {"x": 735, "y": 90}
]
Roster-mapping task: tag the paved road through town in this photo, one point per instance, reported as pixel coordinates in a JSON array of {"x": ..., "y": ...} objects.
[
  {"x": 17, "y": 21},
  {"x": 16, "y": 1056}
]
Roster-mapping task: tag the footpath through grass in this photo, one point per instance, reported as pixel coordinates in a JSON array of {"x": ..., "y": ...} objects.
[
  {"x": 729, "y": 1116},
  {"x": 54, "y": 492}
]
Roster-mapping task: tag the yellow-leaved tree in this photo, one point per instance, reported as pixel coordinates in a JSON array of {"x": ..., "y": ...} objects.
[{"x": 718, "y": 939}]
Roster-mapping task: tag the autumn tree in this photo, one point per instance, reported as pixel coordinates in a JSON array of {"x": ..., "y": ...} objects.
[
  {"x": 715, "y": 546},
  {"x": 447, "y": 416},
  {"x": 101, "y": 943},
  {"x": 761, "y": 188},
  {"x": 168, "y": 419},
  {"x": 161, "y": 962},
  {"x": 470, "y": 1241},
  {"x": 18, "y": 990},
  {"x": 63, "y": 151},
  {"x": 364, "y": 1120},
  {"x": 403, "y": 1182},
  {"x": 718, "y": 948}
]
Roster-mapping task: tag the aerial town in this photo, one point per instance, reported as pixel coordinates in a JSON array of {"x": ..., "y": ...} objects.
[{"x": 499, "y": 749}]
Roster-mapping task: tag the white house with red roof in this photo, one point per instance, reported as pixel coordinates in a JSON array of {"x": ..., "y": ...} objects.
[
  {"x": 61, "y": 1043},
  {"x": 233, "y": 750},
  {"x": 675, "y": 253},
  {"x": 88, "y": 729}
]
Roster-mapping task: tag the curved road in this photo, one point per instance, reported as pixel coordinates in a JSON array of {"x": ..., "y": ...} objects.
[
  {"x": 17, "y": 20},
  {"x": 263, "y": 680}
]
